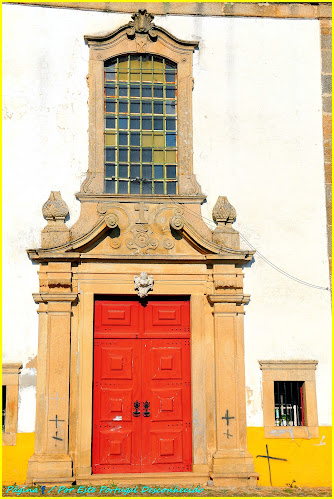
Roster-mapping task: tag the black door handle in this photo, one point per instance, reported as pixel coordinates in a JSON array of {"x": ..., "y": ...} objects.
[
  {"x": 136, "y": 405},
  {"x": 146, "y": 413}
]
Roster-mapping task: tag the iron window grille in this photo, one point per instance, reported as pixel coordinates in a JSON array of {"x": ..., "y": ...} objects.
[
  {"x": 140, "y": 125},
  {"x": 289, "y": 403}
]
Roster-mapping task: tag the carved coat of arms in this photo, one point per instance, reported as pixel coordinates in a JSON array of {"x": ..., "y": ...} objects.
[{"x": 143, "y": 284}]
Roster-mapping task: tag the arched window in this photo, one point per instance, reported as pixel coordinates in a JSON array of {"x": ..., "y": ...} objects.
[
  {"x": 140, "y": 114},
  {"x": 140, "y": 125}
]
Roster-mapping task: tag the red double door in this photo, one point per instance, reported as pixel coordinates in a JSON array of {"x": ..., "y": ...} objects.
[{"x": 141, "y": 396}]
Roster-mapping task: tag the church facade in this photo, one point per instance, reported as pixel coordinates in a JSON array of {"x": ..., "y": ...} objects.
[{"x": 140, "y": 360}]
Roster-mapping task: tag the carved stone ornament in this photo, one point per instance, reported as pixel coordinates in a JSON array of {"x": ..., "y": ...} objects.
[
  {"x": 223, "y": 211},
  {"x": 55, "y": 208},
  {"x": 224, "y": 214},
  {"x": 55, "y": 211},
  {"x": 143, "y": 284},
  {"x": 142, "y": 24}
]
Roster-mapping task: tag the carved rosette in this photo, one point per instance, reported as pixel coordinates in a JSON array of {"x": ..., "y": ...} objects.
[
  {"x": 111, "y": 220},
  {"x": 142, "y": 23},
  {"x": 224, "y": 215},
  {"x": 55, "y": 210}
]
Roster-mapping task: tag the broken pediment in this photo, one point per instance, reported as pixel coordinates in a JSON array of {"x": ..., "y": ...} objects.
[{"x": 142, "y": 230}]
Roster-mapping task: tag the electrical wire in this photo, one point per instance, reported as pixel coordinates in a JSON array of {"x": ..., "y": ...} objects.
[{"x": 283, "y": 272}]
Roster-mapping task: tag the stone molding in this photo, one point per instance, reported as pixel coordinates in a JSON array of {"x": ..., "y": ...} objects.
[{"x": 292, "y": 10}]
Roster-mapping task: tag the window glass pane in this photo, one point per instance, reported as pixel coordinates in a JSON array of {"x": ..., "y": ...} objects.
[
  {"x": 135, "y": 139},
  {"x": 123, "y": 187},
  {"x": 110, "y": 106},
  {"x": 171, "y": 171},
  {"x": 134, "y": 90},
  {"x": 147, "y": 171},
  {"x": 135, "y": 106},
  {"x": 158, "y": 91},
  {"x": 135, "y": 187},
  {"x": 123, "y": 106},
  {"x": 171, "y": 140},
  {"x": 171, "y": 187},
  {"x": 158, "y": 188},
  {"x": 123, "y": 138},
  {"x": 110, "y": 154},
  {"x": 134, "y": 171},
  {"x": 123, "y": 123},
  {"x": 147, "y": 107},
  {"x": 158, "y": 124},
  {"x": 123, "y": 171},
  {"x": 147, "y": 91},
  {"x": 110, "y": 139},
  {"x": 110, "y": 122},
  {"x": 158, "y": 171},
  {"x": 147, "y": 155},
  {"x": 110, "y": 186},
  {"x": 110, "y": 171},
  {"x": 123, "y": 154},
  {"x": 147, "y": 187},
  {"x": 134, "y": 155},
  {"x": 131, "y": 82},
  {"x": 134, "y": 123}
]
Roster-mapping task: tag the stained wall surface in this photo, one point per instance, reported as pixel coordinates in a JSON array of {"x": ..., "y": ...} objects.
[{"x": 257, "y": 140}]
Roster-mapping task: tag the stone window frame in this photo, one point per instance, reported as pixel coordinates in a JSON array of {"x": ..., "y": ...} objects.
[
  {"x": 292, "y": 370},
  {"x": 133, "y": 39},
  {"x": 10, "y": 379}
]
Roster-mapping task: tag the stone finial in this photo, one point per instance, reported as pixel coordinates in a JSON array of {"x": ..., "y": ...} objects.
[
  {"x": 55, "y": 210},
  {"x": 55, "y": 207},
  {"x": 223, "y": 211},
  {"x": 224, "y": 214},
  {"x": 143, "y": 284},
  {"x": 142, "y": 24}
]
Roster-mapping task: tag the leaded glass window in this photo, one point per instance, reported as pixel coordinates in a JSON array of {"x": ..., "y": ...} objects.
[{"x": 140, "y": 125}]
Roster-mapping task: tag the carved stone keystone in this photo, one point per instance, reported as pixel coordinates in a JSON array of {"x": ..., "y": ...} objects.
[
  {"x": 224, "y": 215},
  {"x": 142, "y": 23},
  {"x": 143, "y": 284},
  {"x": 55, "y": 211}
]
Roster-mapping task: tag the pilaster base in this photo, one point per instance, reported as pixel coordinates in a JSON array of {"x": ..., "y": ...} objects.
[
  {"x": 234, "y": 479},
  {"x": 233, "y": 468},
  {"x": 50, "y": 469}
]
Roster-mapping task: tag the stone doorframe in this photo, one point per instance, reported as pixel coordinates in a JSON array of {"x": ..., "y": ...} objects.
[{"x": 182, "y": 262}]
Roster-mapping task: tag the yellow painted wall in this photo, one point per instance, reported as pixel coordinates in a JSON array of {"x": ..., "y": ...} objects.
[
  {"x": 309, "y": 462},
  {"x": 15, "y": 459}
]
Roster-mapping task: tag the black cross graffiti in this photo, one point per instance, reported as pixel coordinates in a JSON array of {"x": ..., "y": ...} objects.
[
  {"x": 227, "y": 417},
  {"x": 56, "y": 437},
  {"x": 56, "y": 420},
  {"x": 270, "y": 457},
  {"x": 228, "y": 433}
]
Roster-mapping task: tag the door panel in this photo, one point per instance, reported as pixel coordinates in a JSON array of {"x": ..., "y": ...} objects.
[
  {"x": 117, "y": 384},
  {"x": 150, "y": 365}
]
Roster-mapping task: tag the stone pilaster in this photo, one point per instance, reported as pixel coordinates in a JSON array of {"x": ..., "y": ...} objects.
[
  {"x": 51, "y": 460},
  {"x": 232, "y": 463}
]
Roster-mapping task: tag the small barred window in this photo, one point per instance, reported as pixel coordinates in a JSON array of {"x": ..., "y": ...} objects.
[
  {"x": 289, "y": 403},
  {"x": 140, "y": 125}
]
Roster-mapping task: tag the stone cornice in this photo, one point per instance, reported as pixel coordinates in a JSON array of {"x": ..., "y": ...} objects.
[
  {"x": 238, "y": 298},
  {"x": 55, "y": 297},
  {"x": 287, "y": 364},
  {"x": 291, "y": 10}
]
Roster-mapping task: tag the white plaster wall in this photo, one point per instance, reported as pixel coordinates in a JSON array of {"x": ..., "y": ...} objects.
[{"x": 257, "y": 140}]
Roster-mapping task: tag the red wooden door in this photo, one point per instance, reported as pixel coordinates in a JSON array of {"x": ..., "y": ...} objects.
[{"x": 141, "y": 356}]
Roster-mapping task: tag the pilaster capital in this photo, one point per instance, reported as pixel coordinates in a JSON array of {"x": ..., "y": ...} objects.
[
  {"x": 237, "y": 298},
  {"x": 54, "y": 297}
]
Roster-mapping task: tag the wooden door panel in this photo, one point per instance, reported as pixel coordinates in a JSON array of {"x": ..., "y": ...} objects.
[
  {"x": 166, "y": 405},
  {"x": 116, "y": 405},
  {"x": 166, "y": 362},
  {"x": 117, "y": 384},
  {"x": 116, "y": 318},
  {"x": 170, "y": 319},
  {"x": 166, "y": 447}
]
